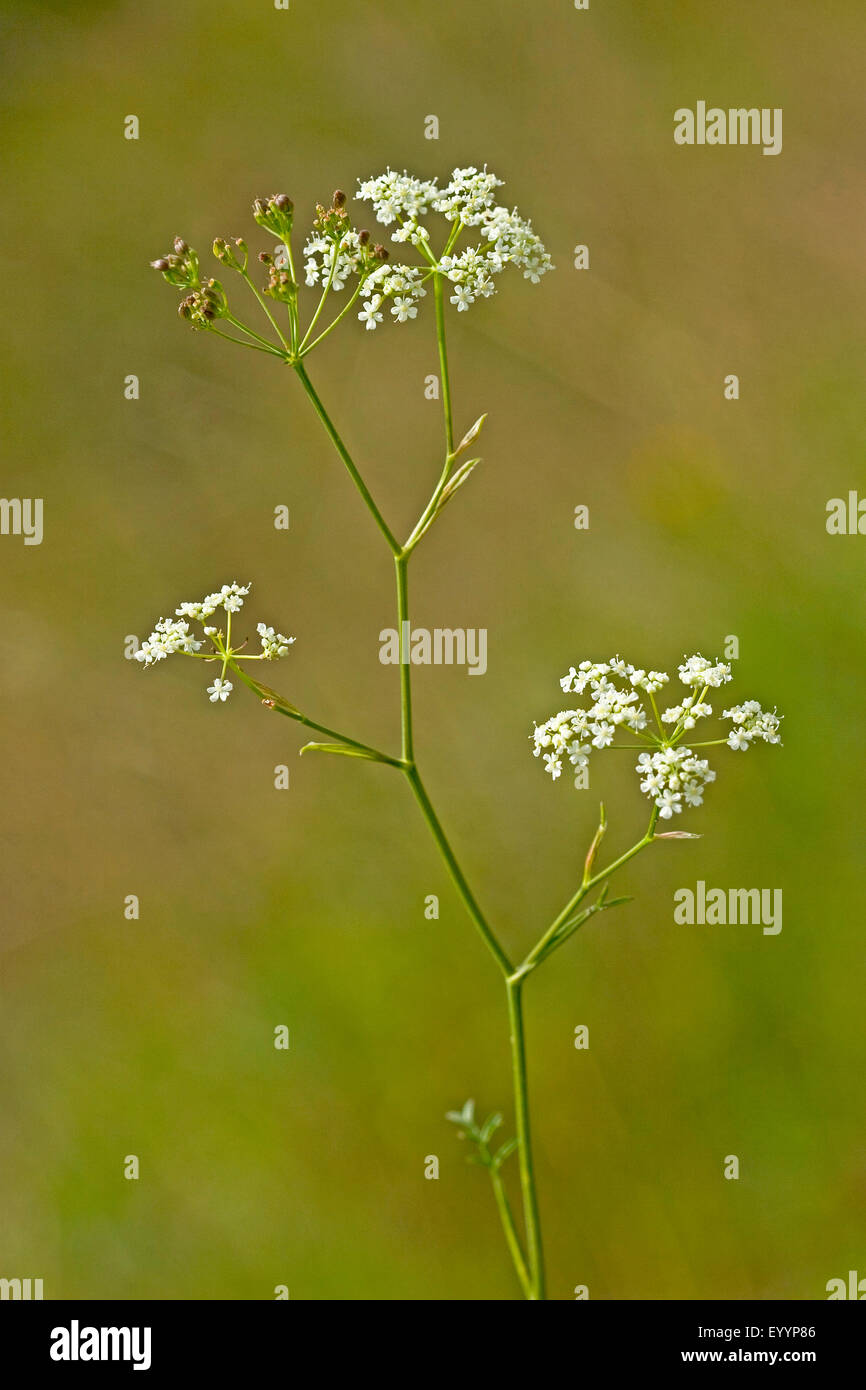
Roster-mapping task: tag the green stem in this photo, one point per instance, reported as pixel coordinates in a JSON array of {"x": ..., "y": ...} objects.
[
  {"x": 443, "y": 362},
  {"x": 248, "y": 280},
  {"x": 393, "y": 544},
  {"x": 307, "y": 347},
  {"x": 510, "y": 1229},
  {"x": 321, "y": 304},
  {"x": 587, "y": 886},
  {"x": 401, "y": 567},
  {"x": 536, "y": 1290},
  {"x": 457, "y": 875},
  {"x": 531, "y": 1279},
  {"x": 241, "y": 342}
]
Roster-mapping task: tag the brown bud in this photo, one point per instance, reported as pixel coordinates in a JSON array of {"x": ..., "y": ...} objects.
[
  {"x": 363, "y": 237},
  {"x": 161, "y": 264},
  {"x": 339, "y": 198},
  {"x": 180, "y": 246},
  {"x": 283, "y": 202},
  {"x": 380, "y": 252}
]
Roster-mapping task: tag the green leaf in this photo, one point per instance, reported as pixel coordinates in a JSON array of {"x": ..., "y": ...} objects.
[
  {"x": 504, "y": 1152},
  {"x": 490, "y": 1126},
  {"x": 347, "y": 750},
  {"x": 457, "y": 479},
  {"x": 468, "y": 437},
  {"x": 268, "y": 696}
]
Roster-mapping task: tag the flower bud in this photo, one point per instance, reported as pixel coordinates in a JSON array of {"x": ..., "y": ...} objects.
[
  {"x": 180, "y": 246},
  {"x": 338, "y": 199},
  {"x": 275, "y": 215}
]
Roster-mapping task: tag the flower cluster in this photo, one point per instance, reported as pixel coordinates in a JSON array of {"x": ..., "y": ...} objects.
[
  {"x": 751, "y": 722},
  {"x": 173, "y": 635},
  {"x": 338, "y": 256},
  {"x": 203, "y": 305},
  {"x": 168, "y": 637},
  {"x": 671, "y": 774},
  {"x": 180, "y": 267},
  {"x": 593, "y": 674},
  {"x": 468, "y": 200},
  {"x": 697, "y": 671},
  {"x": 274, "y": 644},
  {"x": 673, "y": 777}
]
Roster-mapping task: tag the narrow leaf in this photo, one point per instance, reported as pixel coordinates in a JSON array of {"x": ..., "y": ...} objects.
[
  {"x": 677, "y": 835},
  {"x": 468, "y": 437},
  {"x": 347, "y": 750},
  {"x": 457, "y": 479},
  {"x": 270, "y": 697},
  {"x": 504, "y": 1152},
  {"x": 490, "y": 1126}
]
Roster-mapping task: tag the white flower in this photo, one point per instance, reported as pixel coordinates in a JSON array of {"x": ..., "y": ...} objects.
[
  {"x": 370, "y": 315},
  {"x": 274, "y": 644},
  {"x": 578, "y": 753},
  {"x": 462, "y": 298},
  {"x": 738, "y": 739},
  {"x": 403, "y": 308},
  {"x": 220, "y": 690},
  {"x": 602, "y": 735}
]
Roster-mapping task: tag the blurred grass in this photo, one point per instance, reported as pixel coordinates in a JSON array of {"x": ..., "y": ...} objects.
[{"x": 306, "y": 907}]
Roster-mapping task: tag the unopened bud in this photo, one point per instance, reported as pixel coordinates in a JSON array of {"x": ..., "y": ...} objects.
[
  {"x": 161, "y": 264},
  {"x": 339, "y": 198},
  {"x": 284, "y": 203},
  {"x": 180, "y": 246}
]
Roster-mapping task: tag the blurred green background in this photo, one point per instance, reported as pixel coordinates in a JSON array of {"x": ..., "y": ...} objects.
[{"x": 305, "y": 907}]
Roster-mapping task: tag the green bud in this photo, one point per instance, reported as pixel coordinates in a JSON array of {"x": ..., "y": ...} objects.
[{"x": 275, "y": 215}]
